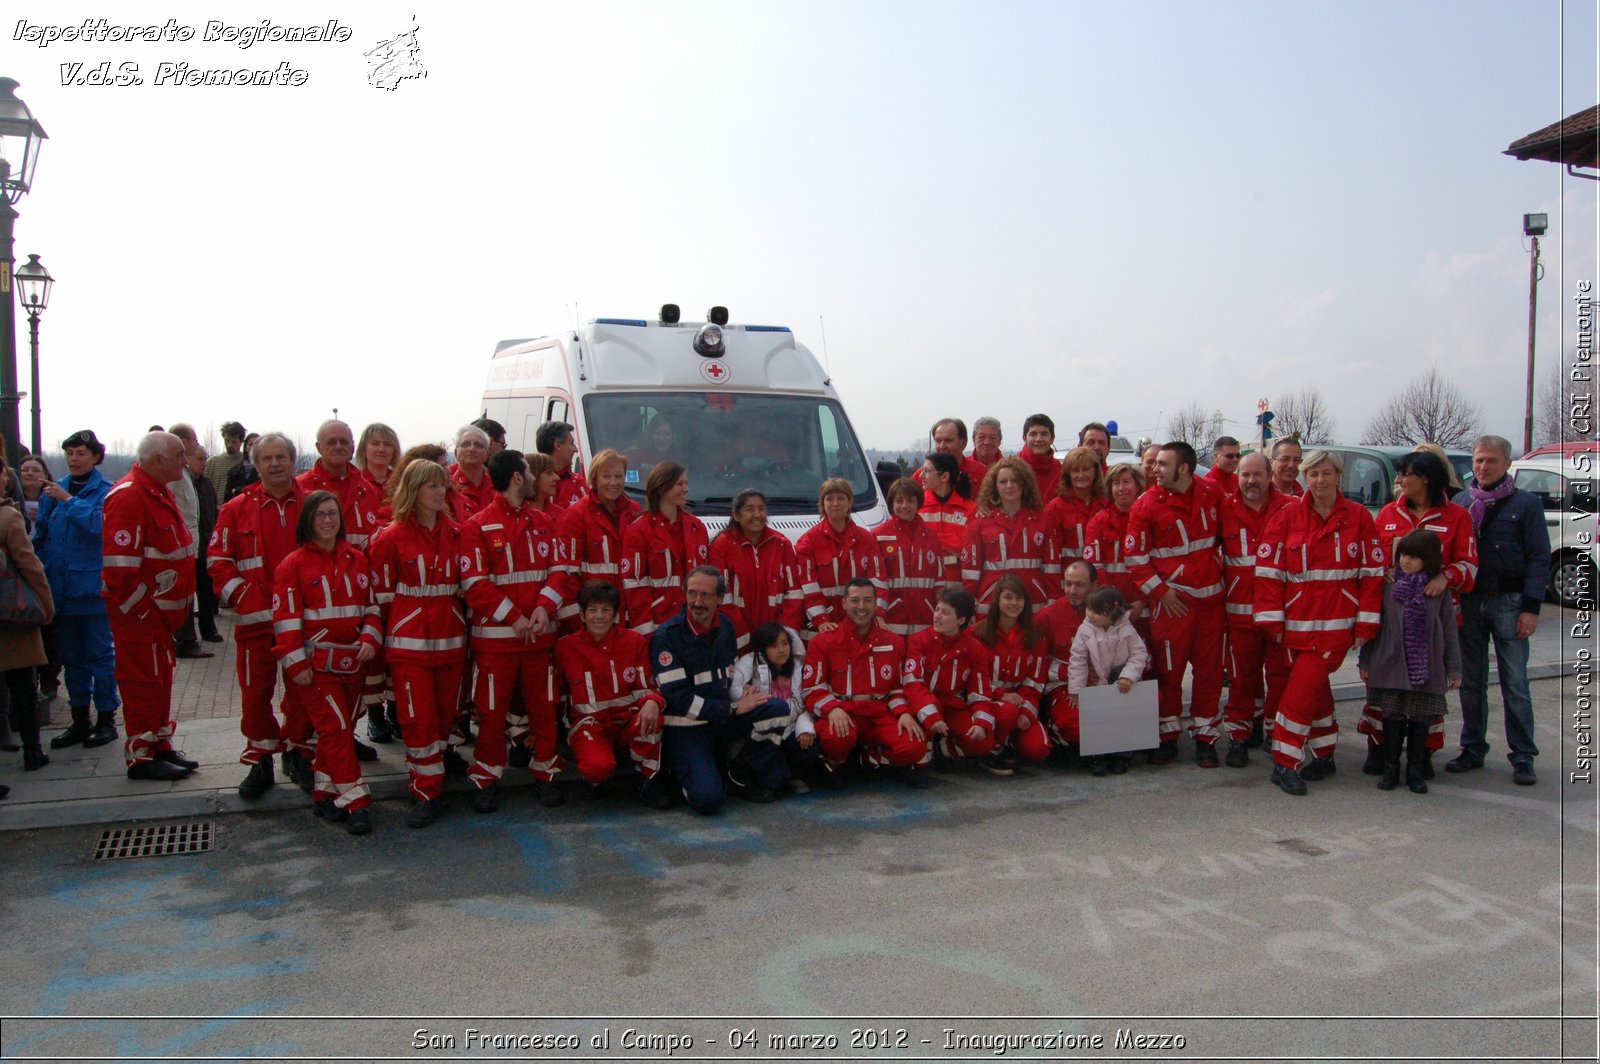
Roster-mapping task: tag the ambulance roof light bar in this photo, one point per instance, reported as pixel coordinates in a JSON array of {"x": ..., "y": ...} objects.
[
  {"x": 717, "y": 315},
  {"x": 669, "y": 314}
]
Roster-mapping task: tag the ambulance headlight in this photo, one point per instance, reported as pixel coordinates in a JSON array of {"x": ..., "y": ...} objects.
[{"x": 708, "y": 341}]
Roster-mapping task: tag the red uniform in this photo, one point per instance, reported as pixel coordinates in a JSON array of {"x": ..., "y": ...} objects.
[
  {"x": 829, "y": 560},
  {"x": 255, "y": 532},
  {"x": 1072, "y": 517},
  {"x": 1250, "y": 652},
  {"x": 570, "y": 487},
  {"x": 1295, "y": 488},
  {"x": 609, "y": 684},
  {"x": 949, "y": 520},
  {"x": 1459, "y": 543},
  {"x": 1019, "y": 668},
  {"x": 467, "y": 498},
  {"x": 509, "y": 557},
  {"x": 1319, "y": 582},
  {"x": 1227, "y": 483},
  {"x": 147, "y": 577},
  {"x": 425, "y": 638},
  {"x": 913, "y": 573},
  {"x": 861, "y": 675},
  {"x": 1046, "y": 470},
  {"x": 1172, "y": 543},
  {"x": 324, "y": 610},
  {"x": 763, "y": 581},
  {"x": 1103, "y": 543},
  {"x": 589, "y": 543},
  {"x": 1023, "y": 545},
  {"x": 359, "y": 500},
  {"x": 947, "y": 680},
  {"x": 385, "y": 509},
  {"x": 1060, "y": 710},
  {"x": 657, "y": 555}
]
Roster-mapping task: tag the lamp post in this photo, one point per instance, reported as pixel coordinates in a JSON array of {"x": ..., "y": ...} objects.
[
  {"x": 1533, "y": 225},
  {"x": 33, "y": 285},
  {"x": 20, "y": 138}
]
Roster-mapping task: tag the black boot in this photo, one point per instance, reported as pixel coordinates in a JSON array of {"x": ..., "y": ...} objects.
[
  {"x": 259, "y": 778},
  {"x": 33, "y": 757},
  {"x": 1394, "y": 738},
  {"x": 1416, "y": 756},
  {"x": 76, "y": 732},
  {"x": 104, "y": 731},
  {"x": 378, "y": 729}
]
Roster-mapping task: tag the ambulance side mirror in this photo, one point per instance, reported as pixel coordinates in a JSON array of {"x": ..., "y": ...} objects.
[{"x": 886, "y": 473}]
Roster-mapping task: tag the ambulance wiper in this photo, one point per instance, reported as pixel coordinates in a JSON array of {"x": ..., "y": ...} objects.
[{"x": 790, "y": 500}]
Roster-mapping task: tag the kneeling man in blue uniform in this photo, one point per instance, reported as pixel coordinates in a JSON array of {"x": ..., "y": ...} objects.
[{"x": 693, "y": 655}]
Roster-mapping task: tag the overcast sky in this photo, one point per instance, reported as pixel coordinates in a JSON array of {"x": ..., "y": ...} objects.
[{"x": 1096, "y": 210}]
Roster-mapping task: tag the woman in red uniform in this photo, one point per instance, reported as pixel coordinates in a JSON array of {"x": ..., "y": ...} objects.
[
  {"x": 1080, "y": 494},
  {"x": 1017, "y": 673},
  {"x": 546, "y": 481},
  {"x": 833, "y": 552},
  {"x": 376, "y": 453},
  {"x": 659, "y": 548},
  {"x": 947, "y": 505},
  {"x": 1105, "y": 534},
  {"x": 912, "y": 559},
  {"x": 1010, "y": 534},
  {"x": 947, "y": 678},
  {"x": 589, "y": 534},
  {"x": 761, "y": 570},
  {"x": 416, "y": 560},
  {"x": 325, "y": 630}
]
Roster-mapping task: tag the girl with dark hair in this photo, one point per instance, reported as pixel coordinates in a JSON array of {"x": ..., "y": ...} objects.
[
  {"x": 761, "y": 570},
  {"x": 1017, "y": 673},
  {"x": 947, "y": 679},
  {"x": 658, "y": 550},
  {"x": 326, "y": 629},
  {"x": 912, "y": 560},
  {"x": 1423, "y": 505},
  {"x": 948, "y": 507},
  {"x": 1414, "y": 661},
  {"x": 770, "y": 668},
  {"x": 1106, "y": 650}
]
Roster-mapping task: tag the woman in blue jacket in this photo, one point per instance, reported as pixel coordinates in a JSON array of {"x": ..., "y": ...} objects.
[{"x": 67, "y": 539}]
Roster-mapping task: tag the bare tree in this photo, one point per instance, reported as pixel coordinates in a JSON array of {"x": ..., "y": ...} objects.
[
  {"x": 1192, "y": 424},
  {"x": 1431, "y": 409},
  {"x": 1565, "y": 407},
  {"x": 1304, "y": 414}
]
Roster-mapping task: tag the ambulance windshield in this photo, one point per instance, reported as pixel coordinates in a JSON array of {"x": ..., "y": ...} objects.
[{"x": 782, "y": 445}]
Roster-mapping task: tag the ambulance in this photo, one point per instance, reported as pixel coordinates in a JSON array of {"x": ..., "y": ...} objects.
[{"x": 740, "y": 406}]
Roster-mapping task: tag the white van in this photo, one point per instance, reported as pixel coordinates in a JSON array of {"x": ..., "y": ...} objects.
[{"x": 741, "y": 406}]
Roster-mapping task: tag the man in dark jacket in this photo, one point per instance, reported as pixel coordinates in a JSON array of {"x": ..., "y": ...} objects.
[
  {"x": 693, "y": 655},
  {"x": 1513, "y": 567}
]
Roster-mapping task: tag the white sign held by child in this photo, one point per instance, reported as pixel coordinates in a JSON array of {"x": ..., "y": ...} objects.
[{"x": 1110, "y": 722}]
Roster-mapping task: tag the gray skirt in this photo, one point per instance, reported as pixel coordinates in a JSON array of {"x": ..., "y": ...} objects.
[{"x": 1396, "y": 704}]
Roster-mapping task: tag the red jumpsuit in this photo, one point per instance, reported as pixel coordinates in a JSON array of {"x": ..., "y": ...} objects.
[
  {"x": 1023, "y": 546},
  {"x": 385, "y": 509},
  {"x": 1319, "y": 587},
  {"x": 1104, "y": 539},
  {"x": 1046, "y": 470},
  {"x": 1060, "y": 623},
  {"x": 1250, "y": 652},
  {"x": 1172, "y": 543},
  {"x": 467, "y": 498},
  {"x": 425, "y": 639},
  {"x": 508, "y": 558},
  {"x": 609, "y": 684},
  {"x": 147, "y": 577},
  {"x": 255, "y": 532},
  {"x": 861, "y": 675},
  {"x": 324, "y": 609},
  {"x": 589, "y": 547},
  {"x": 657, "y": 555},
  {"x": 913, "y": 573},
  {"x": 1020, "y": 669},
  {"x": 359, "y": 500},
  {"x": 570, "y": 487},
  {"x": 947, "y": 680},
  {"x": 829, "y": 560},
  {"x": 1226, "y": 483},
  {"x": 763, "y": 581},
  {"x": 1072, "y": 516},
  {"x": 1459, "y": 543},
  {"x": 949, "y": 520}
]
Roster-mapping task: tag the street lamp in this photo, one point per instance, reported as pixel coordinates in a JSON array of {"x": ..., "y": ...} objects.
[
  {"x": 33, "y": 285},
  {"x": 1535, "y": 226},
  {"x": 20, "y": 138}
]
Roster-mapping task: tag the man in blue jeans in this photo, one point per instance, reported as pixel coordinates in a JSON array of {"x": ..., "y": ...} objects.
[{"x": 1513, "y": 567}]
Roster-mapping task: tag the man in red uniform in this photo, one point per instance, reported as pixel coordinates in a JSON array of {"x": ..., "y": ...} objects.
[
  {"x": 1244, "y": 520},
  {"x": 554, "y": 438},
  {"x": 148, "y": 576},
  {"x": 1061, "y": 621},
  {"x": 508, "y": 551},
  {"x": 255, "y": 531},
  {"x": 1039, "y": 437},
  {"x": 852, "y": 680},
  {"x": 358, "y": 498},
  {"x": 950, "y": 437},
  {"x": 1286, "y": 465},
  {"x": 1225, "y": 464},
  {"x": 1097, "y": 438},
  {"x": 1172, "y": 552}
]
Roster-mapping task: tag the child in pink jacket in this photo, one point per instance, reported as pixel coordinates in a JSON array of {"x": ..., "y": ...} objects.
[{"x": 1105, "y": 650}]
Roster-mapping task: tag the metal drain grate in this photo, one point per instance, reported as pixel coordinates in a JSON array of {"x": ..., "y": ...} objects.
[{"x": 165, "y": 841}]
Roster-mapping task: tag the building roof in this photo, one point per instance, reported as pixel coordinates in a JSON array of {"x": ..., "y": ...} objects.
[{"x": 1575, "y": 140}]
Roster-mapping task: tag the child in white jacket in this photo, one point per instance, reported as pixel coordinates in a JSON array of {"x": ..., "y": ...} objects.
[
  {"x": 1106, "y": 650},
  {"x": 773, "y": 668}
]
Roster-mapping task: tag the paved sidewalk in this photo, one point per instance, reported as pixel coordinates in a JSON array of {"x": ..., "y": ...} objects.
[{"x": 91, "y": 786}]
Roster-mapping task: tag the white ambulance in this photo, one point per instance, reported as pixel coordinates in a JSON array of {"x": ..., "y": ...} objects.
[{"x": 740, "y": 406}]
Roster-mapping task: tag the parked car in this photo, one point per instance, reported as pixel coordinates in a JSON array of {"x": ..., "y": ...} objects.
[
  {"x": 1369, "y": 472},
  {"x": 1556, "y": 450},
  {"x": 1567, "y": 489}
]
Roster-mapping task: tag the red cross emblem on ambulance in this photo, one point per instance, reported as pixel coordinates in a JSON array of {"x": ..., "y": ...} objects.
[{"x": 714, "y": 371}]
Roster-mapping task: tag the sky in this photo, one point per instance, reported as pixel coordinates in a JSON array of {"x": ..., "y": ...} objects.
[{"x": 1095, "y": 210}]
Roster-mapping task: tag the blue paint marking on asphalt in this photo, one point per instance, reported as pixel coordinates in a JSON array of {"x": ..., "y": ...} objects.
[
  {"x": 617, "y": 832},
  {"x": 196, "y": 924},
  {"x": 888, "y": 807},
  {"x": 130, "y": 1041},
  {"x": 548, "y": 861}
]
